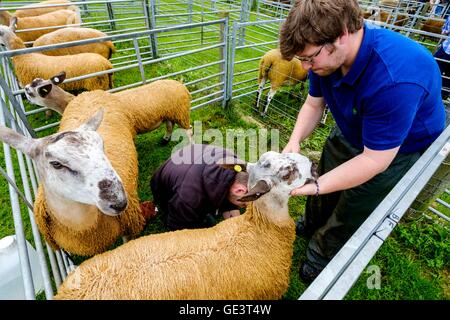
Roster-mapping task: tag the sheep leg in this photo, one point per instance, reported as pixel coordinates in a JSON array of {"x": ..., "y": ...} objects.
[
  {"x": 259, "y": 93},
  {"x": 168, "y": 135},
  {"x": 269, "y": 98}
]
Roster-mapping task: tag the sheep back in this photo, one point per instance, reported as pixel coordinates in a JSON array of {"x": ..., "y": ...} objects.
[
  {"x": 161, "y": 100},
  {"x": 30, "y": 11},
  {"x": 279, "y": 70},
  {"x": 245, "y": 257},
  {"x": 105, "y": 49},
  {"x": 51, "y": 19},
  {"x": 118, "y": 138},
  {"x": 36, "y": 65}
]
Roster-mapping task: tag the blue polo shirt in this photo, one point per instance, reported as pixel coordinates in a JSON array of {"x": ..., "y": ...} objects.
[{"x": 390, "y": 97}]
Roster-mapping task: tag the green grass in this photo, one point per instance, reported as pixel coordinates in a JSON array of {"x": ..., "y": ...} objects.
[{"x": 413, "y": 262}]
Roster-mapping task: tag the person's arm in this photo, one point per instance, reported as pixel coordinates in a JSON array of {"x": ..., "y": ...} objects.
[
  {"x": 307, "y": 119},
  {"x": 352, "y": 173}
]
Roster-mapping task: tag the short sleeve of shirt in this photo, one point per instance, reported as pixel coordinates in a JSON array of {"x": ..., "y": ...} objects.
[
  {"x": 314, "y": 85},
  {"x": 389, "y": 115}
]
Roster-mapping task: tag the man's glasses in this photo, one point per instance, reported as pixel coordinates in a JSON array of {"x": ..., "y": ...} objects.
[{"x": 311, "y": 57}]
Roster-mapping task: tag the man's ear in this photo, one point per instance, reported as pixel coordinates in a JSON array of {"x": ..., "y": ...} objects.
[
  {"x": 17, "y": 141},
  {"x": 238, "y": 189},
  {"x": 232, "y": 163}
]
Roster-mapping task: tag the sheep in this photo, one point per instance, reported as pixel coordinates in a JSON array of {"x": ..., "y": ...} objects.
[
  {"x": 165, "y": 100},
  {"x": 392, "y": 3},
  {"x": 105, "y": 49},
  {"x": 433, "y": 25},
  {"x": 375, "y": 13},
  {"x": 31, "y": 10},
  {"x": 247, "y": 257},
  {"x": 53, "y": 19},
  {"x": 89, "y": 184},
  {"x": 280, "y": 72},
  {"x": 37, "y": 65},
  {"x": 92, "y": 232}
]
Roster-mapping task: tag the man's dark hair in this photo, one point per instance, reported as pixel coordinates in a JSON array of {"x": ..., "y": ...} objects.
[{"x": 318, "y": 22}]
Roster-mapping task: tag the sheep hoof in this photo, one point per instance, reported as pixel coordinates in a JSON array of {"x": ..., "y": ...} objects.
[
  {"x": 164, "y": 141},
  {"x": 263, "y": 114}
]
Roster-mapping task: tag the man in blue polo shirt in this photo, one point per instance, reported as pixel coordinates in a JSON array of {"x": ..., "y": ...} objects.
[{"x": 383, "y": 90}]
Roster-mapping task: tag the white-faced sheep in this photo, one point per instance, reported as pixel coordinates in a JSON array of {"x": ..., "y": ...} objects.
[
  {"x": 150, "y": 105},
  {"x": 88, "y": 229},
  {"x": 105, "y": 49},
  {"x": 30, "y": 10},
  {"x": 37, "y": 65},
  {"x": 280, "y": 72},
  {"x": 52, "y": 20},
  {"x": 247, "y": 257}
]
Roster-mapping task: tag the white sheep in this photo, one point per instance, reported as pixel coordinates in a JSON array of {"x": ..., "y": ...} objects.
[
  {"x": 70, "y": 219},
  {"x": 30, "y": 10},
  {"x": 247, "y": 257},
  {"x": 105, "y": 49},
  {"x": 165, "y": 100},
  {"x": 52, "y": 20},
  {"x": 280, "y": 72},
  {"x": 37, "y": 65}
]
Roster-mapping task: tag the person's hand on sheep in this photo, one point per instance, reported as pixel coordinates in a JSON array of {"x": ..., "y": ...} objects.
[
  {"x": 308, "y": 189},
  {"x": 231, "y": 214},
  {"x": 292, "y": 146}
]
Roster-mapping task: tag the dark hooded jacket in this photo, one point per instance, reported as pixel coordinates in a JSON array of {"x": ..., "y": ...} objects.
[{"x": 190, "y": 185}]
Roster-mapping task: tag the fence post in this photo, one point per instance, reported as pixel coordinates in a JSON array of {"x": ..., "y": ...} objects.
[
  {"x": 231, "y": 64},
  {"x": 150, "y": 12},
  {"x": 223, "y": 54},
  {"x": 244, "y": 17}
]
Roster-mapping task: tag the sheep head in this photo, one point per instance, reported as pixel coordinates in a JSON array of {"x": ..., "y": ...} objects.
[
  {"x": 274, "y": 172},
  {"x": 73, "y": 167},
  {"x": 46, "y": 93}
]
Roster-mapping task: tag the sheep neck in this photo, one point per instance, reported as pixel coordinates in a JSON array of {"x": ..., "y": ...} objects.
[
  {"x": 15, "y": 43},
  {"x": 273, "y": 207},
  {"x": 59, "y": 100},
  {"x": 75, "y": 215}
]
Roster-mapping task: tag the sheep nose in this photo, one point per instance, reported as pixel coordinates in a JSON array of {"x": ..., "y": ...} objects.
[{"x": 120, "y": 206}]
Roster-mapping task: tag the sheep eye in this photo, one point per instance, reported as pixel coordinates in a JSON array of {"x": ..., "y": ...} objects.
[
  {"x": 57, "y": 165},
  {"x": 286, "y": 176}
]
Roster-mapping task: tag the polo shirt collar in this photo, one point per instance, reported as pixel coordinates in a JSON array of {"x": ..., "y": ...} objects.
[{"x": 362, "y": 58}]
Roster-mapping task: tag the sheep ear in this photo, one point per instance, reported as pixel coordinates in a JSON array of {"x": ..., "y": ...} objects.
[
  {"x": 45, "y": 90},
  {"x": 17, "y": 141},
  {"x": 232, "y": 163},
  {"x": 261, "y": 188},
  {"x": 13, "y": 24},
  {"x": 59, "y": 78},
  {"x": 93, "y": 122}
]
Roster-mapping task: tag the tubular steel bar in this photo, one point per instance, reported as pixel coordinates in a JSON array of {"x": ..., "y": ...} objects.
[{"x": 344, "y": 269}]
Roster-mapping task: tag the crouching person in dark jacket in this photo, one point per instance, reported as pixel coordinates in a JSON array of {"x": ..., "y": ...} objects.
[{"x": 191, "y": 190}]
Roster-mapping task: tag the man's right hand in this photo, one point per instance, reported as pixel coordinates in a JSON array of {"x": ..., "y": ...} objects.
[{"x": 292, "y": 147}]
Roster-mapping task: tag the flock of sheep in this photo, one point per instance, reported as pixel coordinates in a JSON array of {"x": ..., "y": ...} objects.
[{"x": 88, "y": 172}]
